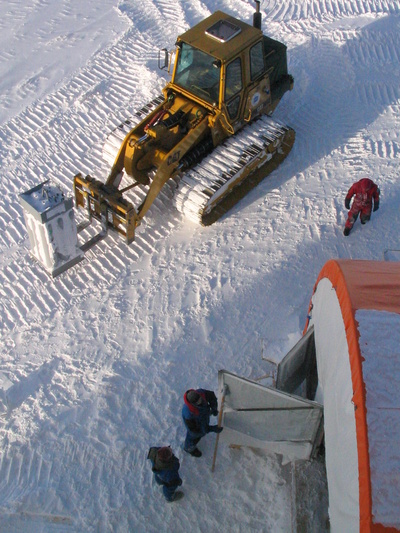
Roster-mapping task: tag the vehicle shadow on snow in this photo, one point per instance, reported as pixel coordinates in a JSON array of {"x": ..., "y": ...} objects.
[{"x": 339, "y": 90}]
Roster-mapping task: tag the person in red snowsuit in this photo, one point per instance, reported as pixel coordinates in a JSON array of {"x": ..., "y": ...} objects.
[{"x": 364, "y": 191}]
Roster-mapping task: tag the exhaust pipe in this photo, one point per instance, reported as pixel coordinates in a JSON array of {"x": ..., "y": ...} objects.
[{"x": 257, "y": 16}]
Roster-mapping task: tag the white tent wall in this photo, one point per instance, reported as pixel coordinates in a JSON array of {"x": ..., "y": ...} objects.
[
  {"x": 335, "y": 392},
  {"x": 380, "y": 347}
]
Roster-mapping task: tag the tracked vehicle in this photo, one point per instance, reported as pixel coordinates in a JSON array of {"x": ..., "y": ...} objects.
[{"x": 210, "y": 131}]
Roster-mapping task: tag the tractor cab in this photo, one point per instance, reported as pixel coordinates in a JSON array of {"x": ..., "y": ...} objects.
[{"x": 229, "y": 67}]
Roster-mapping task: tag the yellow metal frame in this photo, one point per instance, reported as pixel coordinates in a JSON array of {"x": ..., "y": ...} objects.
[{"x": 110, "y": 209}]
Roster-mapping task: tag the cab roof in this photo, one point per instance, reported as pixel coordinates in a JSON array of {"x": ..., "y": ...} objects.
[{"x": 221, "y": 36}]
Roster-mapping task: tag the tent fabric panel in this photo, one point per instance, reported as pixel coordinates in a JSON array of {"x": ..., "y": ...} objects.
[
  {"x": 368, "y": 285},
  {"x": 277, "y": 425},
  {"x": 332, "y": 270},
  {"x": 372, "y": 284},
  {"x": 290, "y": 451},
  {"x": 263, "y": 417},
  {"x": 297, "y": 365},
  {"x": 380, "y": 348},
  {"x": 380, "y": 528},
  {"x": 336, "y": 389},
  {"x": 246, "y": 394}
]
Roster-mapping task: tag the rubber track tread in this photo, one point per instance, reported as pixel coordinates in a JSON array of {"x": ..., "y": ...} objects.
[{"x": 209, "y": 190}]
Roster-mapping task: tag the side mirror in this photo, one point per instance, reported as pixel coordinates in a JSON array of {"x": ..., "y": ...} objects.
[{"x": 163, "y": 59}]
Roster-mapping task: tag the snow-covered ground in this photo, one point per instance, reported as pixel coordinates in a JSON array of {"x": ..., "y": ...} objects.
[{"x": 94, "y": 363}]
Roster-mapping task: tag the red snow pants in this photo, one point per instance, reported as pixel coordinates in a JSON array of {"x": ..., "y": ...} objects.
[{"x": 358, "y": 208}]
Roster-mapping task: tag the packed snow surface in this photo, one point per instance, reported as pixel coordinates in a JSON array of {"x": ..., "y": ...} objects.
[{"x": 94, "y": 363}]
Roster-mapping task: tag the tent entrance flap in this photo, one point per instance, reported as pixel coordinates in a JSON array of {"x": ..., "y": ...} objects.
[
  {"x": 299, "y": 368},
  {"x": 264, "y": 417}
]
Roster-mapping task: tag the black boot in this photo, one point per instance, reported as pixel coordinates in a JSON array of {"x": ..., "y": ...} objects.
[
  {"x": 346, "y": 231},
  {"x": 177, "y": 496},
  {"x": 196, "y": 452}
]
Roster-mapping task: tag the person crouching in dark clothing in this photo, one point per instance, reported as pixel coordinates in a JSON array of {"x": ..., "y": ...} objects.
[
  {"x": 199, "y": 405},
  {"x": 165, "y": 467}
]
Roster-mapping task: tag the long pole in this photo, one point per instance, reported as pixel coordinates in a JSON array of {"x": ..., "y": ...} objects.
[{"x": 219, "y": 425}]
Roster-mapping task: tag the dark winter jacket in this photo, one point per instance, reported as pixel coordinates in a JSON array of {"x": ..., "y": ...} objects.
[
  {"x": 363, "y": 191},
  {"x": 197, "y": 417},
  {"x": 165, "y": 473}
]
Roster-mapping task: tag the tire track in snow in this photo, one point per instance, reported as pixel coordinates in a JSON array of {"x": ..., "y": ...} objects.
[
  {"x": 339, "y": 102},
  {"x": 76, "y": 115},
  {"x": 160, "y": 22},
  {"x": 64, "y": 134},
  {"x": 385, "y": 149},
  {"x": 31, "y": 474},
  {"x": 325, "y": 10}
]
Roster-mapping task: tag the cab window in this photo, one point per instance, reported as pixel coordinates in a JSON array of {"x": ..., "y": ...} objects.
[
  {"x": 256, "y": 60},
  {"x": 233, "y": 107},
  {"x": 233, "y": 83},
  {"x": 198, "y": 73},
  {"x": 233, "y": 86}
]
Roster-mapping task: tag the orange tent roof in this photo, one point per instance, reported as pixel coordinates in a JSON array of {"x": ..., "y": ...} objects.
[{"x": 372, "y": 285}]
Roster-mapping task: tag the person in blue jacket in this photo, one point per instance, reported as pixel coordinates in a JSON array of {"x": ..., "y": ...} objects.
[
  {"x": 199, "y": 405},
  {"x": 165, "y": 467}
]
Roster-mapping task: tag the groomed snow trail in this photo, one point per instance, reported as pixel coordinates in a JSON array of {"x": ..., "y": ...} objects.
[{"x": 95, "y": 362}]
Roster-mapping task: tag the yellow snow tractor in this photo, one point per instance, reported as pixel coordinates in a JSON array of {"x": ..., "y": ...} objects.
[{"x": 210, "y": 131}]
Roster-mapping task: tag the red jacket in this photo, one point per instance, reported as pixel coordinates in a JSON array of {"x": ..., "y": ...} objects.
[{"x": 364, "y": 191}]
